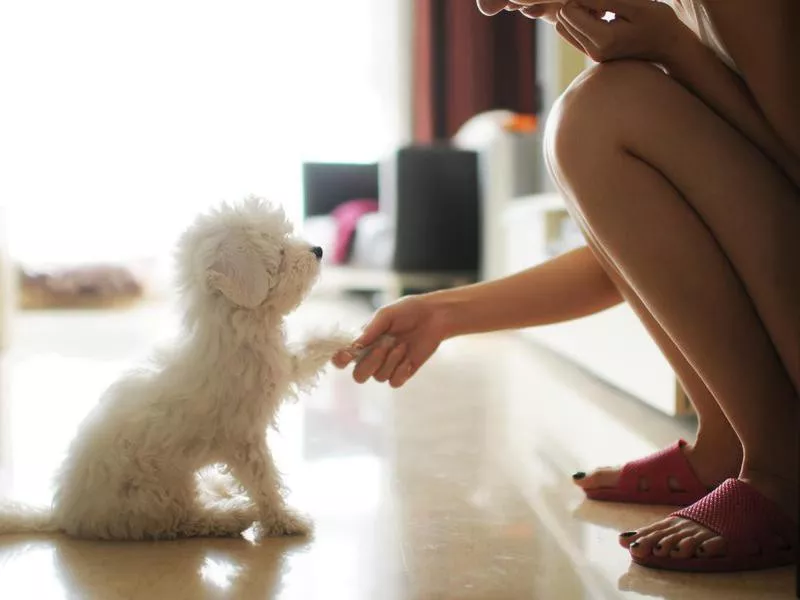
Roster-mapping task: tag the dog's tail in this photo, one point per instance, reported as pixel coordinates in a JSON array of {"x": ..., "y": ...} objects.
[{"x": 16, "y": 517}]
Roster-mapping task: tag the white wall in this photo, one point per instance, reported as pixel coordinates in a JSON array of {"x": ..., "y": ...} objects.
[{"x": 119, "y": 120}]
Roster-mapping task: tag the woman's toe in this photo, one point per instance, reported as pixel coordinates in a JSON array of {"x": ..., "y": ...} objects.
[
  {"x": 629, "y": 538},
  {"x": 642, "y": 548},
  {"x": 646, "y": 544},
  {"x": 687, "y": 547},
  {"x": 605, "y": 477},
  {"x": 711, "y": 548},
  {"x": 668, "y": 544},
  {"x": 626, "y": 538}
]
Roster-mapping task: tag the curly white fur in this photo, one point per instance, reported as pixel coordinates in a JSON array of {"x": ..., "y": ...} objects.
[{"x": 135, "y": 470}]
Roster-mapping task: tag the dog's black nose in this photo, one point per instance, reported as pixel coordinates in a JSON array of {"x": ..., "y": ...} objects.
[{"x": 317, "y": 251}]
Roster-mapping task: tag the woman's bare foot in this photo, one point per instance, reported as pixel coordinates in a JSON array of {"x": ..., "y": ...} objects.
[
  {"x": 712, "y": 461},
  {"x": 682, "y": 538}
]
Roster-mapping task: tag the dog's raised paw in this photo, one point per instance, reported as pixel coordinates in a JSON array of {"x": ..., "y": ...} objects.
[
  {"x": 321, "y": 350},
  {"x": 329, "y": 344}
]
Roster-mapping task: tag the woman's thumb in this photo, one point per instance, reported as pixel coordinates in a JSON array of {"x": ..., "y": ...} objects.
[{"x": 379, "y": 325}]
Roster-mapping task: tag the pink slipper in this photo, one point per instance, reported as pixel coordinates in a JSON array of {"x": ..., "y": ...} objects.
[
  {"x": 751, "y": 524},
  {"x": 656, "y": 470}
]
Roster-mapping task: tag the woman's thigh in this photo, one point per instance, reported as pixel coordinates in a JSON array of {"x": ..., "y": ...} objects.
[{"x": 749, "y": 207}]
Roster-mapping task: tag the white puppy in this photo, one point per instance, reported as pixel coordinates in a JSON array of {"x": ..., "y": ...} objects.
[{"x": 133, "y": 470}]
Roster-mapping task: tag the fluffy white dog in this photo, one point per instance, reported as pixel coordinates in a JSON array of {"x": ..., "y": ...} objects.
[{"x": 137, "y": 468}]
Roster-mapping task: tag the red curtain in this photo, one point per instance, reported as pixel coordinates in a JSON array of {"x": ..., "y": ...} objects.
[{"x": 466, "y": 63}]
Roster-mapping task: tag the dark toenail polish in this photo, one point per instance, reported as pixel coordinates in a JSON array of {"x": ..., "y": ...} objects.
[
  {"x": 579, "y": 475},
  {"x": 627, "y": 534},
  {"x": 658, "y": 546}
]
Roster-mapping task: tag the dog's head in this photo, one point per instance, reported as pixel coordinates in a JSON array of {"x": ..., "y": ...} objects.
[{"x": 247, "y": 254}]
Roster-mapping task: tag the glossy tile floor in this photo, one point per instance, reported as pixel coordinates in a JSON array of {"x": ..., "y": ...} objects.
[{"x": 455, "y": 487}]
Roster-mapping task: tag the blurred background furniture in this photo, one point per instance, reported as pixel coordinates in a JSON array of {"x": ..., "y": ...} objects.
[
  {"x": 82, "y": 286},
  {"x": 425, "y": 233},
  {"x": 510, "y": 165}
]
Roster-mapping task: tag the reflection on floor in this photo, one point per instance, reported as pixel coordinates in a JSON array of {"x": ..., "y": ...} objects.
[{"x": 455, "y": 487}]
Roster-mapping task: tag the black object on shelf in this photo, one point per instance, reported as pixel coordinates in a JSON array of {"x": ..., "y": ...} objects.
[
  {"x": 327, "y": 185},
  {"x": 431, "y": 194}
]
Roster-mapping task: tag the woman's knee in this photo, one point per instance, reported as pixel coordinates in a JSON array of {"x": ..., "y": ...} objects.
[{"x": 591, "y": 114}]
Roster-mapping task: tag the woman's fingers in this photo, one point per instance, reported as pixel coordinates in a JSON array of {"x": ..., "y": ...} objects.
[
  {"x": 568, "y": 37},
  {"x": 380, "y": 324},
  {"x": 372, "y": 359},
  {"x": 392, "y": 361},
  {"x": 585, "y": 27},
  {"x": 387, "y": 360},
  {"x": 625, "y": 9},
  {"x": 492, "y": 7},
  {"x": 418, "y": 354},
  {"x": 524, "y": 3},
  {"x": 533, "y": 12},
  {"x": 404, "y": 371},
  {"x": 343, "y": 358},
  {"x": 355, "y": 352}
]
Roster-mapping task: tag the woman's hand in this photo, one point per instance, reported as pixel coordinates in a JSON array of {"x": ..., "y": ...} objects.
[
  {"x": 546, "y": 10},
  {"x": 400, "y": 338},
  {"x": 638, "y": 29},
  {"x": 533, "y": 9}
]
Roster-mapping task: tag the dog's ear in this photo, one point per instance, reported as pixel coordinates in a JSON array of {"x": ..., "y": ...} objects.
[{"x": 240, "y": 276}]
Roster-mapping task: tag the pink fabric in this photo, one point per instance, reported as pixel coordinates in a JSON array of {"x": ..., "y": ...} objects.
[
  {"x": 347, "y": 216},
  {"x": 757, "y": 533},
  {"x": 740, "y": 514},
  {"x": 656, "y": 470}
]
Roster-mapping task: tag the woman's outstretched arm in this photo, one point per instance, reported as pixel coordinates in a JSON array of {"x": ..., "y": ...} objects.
[{"x": 567, "y": 287}]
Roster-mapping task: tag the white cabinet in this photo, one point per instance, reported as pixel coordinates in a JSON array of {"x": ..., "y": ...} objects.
[{"x": 613, "y": 345}]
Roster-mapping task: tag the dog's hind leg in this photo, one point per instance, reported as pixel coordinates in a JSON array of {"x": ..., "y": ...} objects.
[{"x": 223, "y": 518}]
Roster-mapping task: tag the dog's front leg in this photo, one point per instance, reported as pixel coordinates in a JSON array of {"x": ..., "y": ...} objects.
[
  {"x": 253, "y": 466},
  {"x": 315, "y": 355}
]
